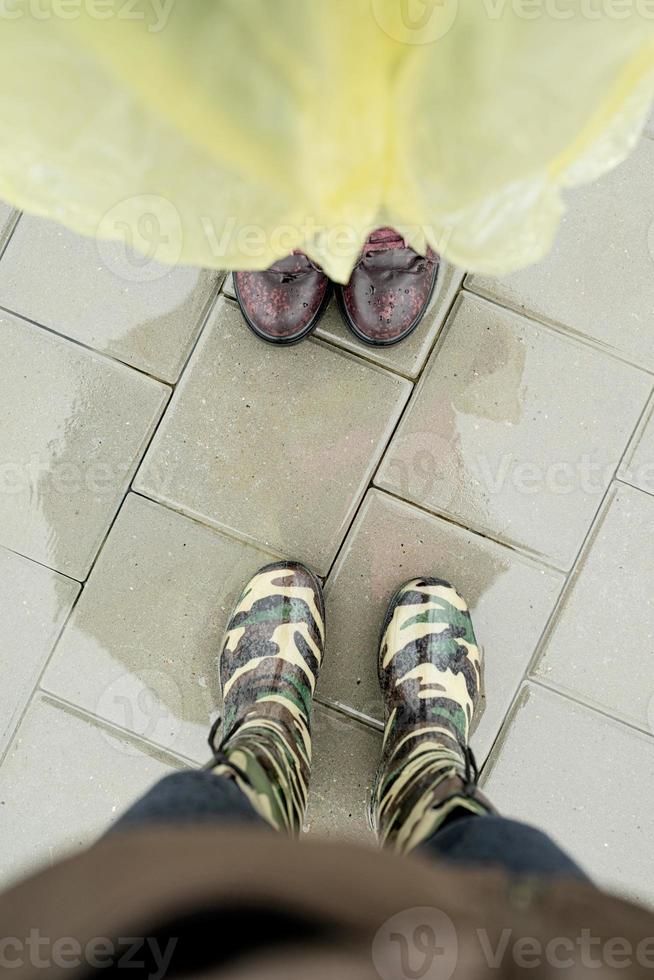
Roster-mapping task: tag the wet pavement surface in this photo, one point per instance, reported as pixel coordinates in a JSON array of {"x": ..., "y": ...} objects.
[{"x": 154, "y": 453}]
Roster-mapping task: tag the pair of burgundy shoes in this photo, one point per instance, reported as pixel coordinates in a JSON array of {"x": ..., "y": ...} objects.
[{"x": 383, "y": 303}]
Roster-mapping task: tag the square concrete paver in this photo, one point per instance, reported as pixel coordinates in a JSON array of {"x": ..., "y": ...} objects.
[
  {"x": 228, "y": 286},
  {"x": 409, "y": 356},
  {"x": 510, "y": 598},
  {"x": 638, "y": 465},
  {"x": 64, "y": 780},
  {"x": 274, "y": 444},
  {"x": 7, "y": 220},
  {"x": 586, "y": 780},
  {"x": 601, "y": 645},
  {"x": 105, "y": 296},
  {"x": 141, "y": 649},
  {"x": 346, "y": 755},
  {"x": 34, "y": 604},
  {"x": 515, "y": 430},
  {"x": 598, "y": 278},
  {"x": 74, "y": 425}
]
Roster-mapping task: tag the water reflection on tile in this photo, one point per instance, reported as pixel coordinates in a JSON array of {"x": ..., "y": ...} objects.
[
  {"x": 105, "y": 296},
  {"x": 34, "y": 604},
  {"x": 515, "y": 430},
  {"x": 142, "y": 646},
  {"x": 391, "y": 542},
  {"x": 74, "y": 425},
  {"x": 275, "y": 444}
]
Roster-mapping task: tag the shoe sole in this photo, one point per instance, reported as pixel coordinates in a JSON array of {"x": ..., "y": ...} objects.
[
  {"x": 285, "y": 341},
  {"x": 349, "y": 323}
]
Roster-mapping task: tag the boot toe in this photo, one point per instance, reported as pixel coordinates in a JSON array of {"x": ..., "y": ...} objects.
[
  {"x": 280, "y": 311},
  {"x": 381, "y": 309}
]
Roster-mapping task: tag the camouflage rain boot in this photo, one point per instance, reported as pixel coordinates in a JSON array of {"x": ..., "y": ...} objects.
[
  {"x": 268, "y": 671},
  {"x": 429, "y": 671}
]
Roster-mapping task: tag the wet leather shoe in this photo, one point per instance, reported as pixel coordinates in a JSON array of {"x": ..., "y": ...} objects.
[
  {"x": 283, "y": 304},
  {"x": 389, "y": 290}
]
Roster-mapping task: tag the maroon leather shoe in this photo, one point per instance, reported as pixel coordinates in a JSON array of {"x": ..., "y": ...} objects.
[
  {"x": 389, "y": 289},
  {"x": 283, "y": 304}
]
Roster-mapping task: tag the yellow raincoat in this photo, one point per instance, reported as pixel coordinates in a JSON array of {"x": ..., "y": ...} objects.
[{"x": 226, "y": 133}]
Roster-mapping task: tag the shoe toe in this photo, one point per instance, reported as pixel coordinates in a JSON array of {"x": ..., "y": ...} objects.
[
  {"x": 382, "y": 309},
  {"x": 277, "y": 310}
]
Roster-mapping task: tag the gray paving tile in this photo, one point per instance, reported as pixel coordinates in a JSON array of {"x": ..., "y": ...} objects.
[
  {"x": 74, "y": 427},
  {"x": 101, "y": 294},
  {"x": 34, "y": 604},
  {"x": 7, "y": 219},
  {"x": 598, "y": 278},
  {"x": 408, "y": 357},
  {"x": 586, "y": 780},
  {"x": 228, "y": 286},
  {"x": 274, "y": 444},
  {"x": 391, "y": 542},
  {"x": 515, "y": 430},
  {"x": 345, "y": 759},
  {"x": 638, "y": 465},
  {"x": 141, "y": 648},
  {"x": 64, "y": 780},
  {"x": 601, "y": 643}
]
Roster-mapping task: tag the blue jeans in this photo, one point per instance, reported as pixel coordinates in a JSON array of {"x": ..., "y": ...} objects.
[{"x": 198, "y": 797}]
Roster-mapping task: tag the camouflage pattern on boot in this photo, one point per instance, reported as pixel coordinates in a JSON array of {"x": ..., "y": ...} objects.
[
  {"x": 268, "y": 669},
  {"x": 430, "y": 676}
]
